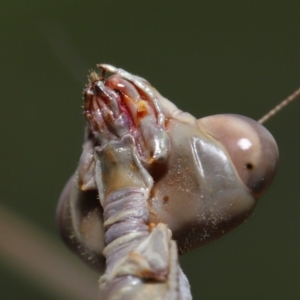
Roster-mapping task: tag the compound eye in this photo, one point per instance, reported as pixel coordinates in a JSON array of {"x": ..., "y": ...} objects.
[{"x": 251, "y": 148}]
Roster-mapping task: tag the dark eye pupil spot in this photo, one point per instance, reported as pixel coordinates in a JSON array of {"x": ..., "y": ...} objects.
[
  {"x": 166, "y": 198},
  {"x": 249, "y": 166}
]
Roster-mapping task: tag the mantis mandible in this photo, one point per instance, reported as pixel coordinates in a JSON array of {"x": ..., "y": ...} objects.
[{"x": 154, "y": 182}]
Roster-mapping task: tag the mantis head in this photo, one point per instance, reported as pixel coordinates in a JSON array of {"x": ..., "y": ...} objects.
[{"x": 207, "y": 174}]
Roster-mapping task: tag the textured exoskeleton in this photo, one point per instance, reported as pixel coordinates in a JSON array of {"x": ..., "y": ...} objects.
[{"x": 191, "y": 180}]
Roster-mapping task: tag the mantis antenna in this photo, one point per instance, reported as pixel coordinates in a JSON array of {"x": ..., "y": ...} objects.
[{"x": 279, "y": 107}]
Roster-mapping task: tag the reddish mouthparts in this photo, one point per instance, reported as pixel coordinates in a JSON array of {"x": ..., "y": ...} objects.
[{"x": 115, "y": 107}]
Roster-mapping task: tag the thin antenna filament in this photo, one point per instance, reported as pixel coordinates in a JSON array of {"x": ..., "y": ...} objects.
[{"x": 279, "y": 107}]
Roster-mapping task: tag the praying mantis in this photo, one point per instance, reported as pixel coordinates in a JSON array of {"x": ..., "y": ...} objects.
[{"x": 154, "y": 182}]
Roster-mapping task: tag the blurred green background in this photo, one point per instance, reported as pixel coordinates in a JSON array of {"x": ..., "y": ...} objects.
[{"x": 208, "y": 57}]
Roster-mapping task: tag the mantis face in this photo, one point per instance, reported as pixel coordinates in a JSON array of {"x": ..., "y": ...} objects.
[
  {"x": 206, "y": 174},
  {"x": 221, "y": 166}
]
